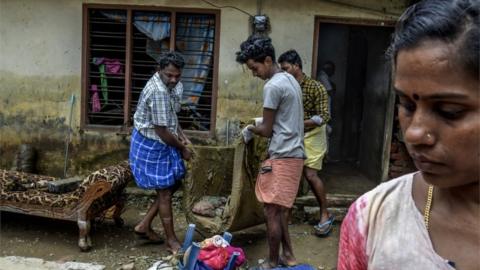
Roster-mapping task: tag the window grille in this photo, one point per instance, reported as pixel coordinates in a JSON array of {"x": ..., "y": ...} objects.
[{"x": 123, "y": 46}]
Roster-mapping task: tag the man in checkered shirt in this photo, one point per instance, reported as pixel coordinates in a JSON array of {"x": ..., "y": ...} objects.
[
  {"x": 158, "y": 145},
  {"x": 316, "y": 115}
]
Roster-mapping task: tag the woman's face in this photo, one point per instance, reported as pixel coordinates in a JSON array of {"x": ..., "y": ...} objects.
[{"x": 439, "y": 114}]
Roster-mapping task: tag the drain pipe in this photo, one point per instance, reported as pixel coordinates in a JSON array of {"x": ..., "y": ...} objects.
[
  {"x": 228, "y": 132},
  {"x": 69, "y": 133}
]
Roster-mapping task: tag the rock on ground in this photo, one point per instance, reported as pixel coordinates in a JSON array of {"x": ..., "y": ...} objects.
[{"x": 24, "y": 263}]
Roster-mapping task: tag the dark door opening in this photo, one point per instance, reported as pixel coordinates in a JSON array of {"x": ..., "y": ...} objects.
[{"x": 361, "y": 102}]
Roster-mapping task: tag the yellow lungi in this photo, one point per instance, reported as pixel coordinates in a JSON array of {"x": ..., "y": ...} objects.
[{"x": 315, "y": 147}]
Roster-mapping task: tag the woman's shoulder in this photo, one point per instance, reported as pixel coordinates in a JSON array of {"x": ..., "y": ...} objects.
[
  {"x": 393, "y": 191},
  {"x": 392, "y": 186}
]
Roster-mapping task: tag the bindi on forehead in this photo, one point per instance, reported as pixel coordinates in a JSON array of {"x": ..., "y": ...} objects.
[{"x": 416, "y": 96}]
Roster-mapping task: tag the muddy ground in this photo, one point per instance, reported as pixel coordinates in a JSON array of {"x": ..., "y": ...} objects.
[{"x": 56, "y": 240}]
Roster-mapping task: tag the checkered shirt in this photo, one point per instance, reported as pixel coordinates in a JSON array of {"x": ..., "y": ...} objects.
[
  {"x": 315, "y": 99},
  {"x": 157, "y": 106}
]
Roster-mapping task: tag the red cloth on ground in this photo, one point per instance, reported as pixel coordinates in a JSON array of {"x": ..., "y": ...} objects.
[
  {"x": 240, "y": 259},
  {"x": 214, "y": 257}
]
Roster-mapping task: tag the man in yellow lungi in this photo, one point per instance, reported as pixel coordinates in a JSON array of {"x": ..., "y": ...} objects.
[{"x": 316, "y": 116}]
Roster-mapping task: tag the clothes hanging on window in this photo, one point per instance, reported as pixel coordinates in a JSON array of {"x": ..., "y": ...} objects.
[
  {"x": 107, "y": 66},
  {"x": 195, "y": 39},
  {"x": 103, "y": 82},
  {"x": 156, "y": 27},
  {"x": 95, "y": 99},
  {"x": 112, "y": 66},
  {"x": 155, "y": 49}
]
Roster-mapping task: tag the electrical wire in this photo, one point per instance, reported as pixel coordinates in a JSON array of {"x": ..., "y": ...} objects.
[{"x": 243, "y": 11}]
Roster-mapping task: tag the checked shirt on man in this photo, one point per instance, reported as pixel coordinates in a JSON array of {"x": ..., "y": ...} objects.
[
  {"x": 156, "y": 165},
  {"x": 315, "y": 100}
]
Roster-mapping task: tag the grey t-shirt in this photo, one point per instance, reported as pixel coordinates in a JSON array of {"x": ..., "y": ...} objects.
[{"x": 283, "y": 94}]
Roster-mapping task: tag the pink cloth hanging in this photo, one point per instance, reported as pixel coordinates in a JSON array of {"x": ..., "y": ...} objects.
[
  {"x": 96, "y": 106},
  {"x": 112, "y": 66}
]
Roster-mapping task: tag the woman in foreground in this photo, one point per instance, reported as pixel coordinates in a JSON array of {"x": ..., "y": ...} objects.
[{"x": 429, "y": 219}]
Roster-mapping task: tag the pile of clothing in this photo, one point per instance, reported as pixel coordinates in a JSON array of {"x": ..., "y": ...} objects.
[{"x": 215, "y": 253}]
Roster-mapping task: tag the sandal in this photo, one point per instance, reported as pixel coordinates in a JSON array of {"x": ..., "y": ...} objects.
[{"x": 324, "y": 229}]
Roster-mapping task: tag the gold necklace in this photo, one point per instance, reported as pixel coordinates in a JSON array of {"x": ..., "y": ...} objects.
[{"x": 428, "y": 206}]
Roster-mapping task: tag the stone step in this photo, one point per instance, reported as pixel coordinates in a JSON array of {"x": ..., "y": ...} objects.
[
  {"x": 312, "y": 214},
  {"x": 334, "y": 200}
]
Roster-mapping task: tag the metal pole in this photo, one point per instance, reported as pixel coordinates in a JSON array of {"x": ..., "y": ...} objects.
[
  {"x": 67, "y": 141},
  {"x": 228, "y": 132}
]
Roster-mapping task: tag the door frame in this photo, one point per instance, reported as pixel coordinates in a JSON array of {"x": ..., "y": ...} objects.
[
  {"x": 391, "y": 97},
  {"x": 339, "y": 20}
]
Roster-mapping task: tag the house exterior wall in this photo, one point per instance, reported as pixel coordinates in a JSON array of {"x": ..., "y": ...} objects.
[{"x": 40, "y": 69}]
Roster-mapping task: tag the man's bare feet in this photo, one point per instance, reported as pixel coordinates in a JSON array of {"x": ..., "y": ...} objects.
[
  {"x": 287, "y": 260},
  {"x": 173, "y": 246},
  {"x": 148, "y": 234}
]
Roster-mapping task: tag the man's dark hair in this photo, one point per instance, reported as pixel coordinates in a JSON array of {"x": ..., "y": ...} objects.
[
  {"x": 257, "y": 49},
  {"x": 454, "y": 22},
  {"x": 329, "y": 67},
  {"x": 174, "y": 58},
  {"x": 291, "y": 57}
]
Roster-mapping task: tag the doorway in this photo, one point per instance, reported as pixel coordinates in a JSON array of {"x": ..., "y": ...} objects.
[{"x": 361, "y": 100}]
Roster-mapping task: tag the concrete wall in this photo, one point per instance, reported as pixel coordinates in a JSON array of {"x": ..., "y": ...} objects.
[{"x": 40, "y": 68}]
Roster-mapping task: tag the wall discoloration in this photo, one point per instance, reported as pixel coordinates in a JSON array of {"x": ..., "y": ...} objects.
[
  {"x": 41, "y": 68},
  {"x": 35, "y": 110}
]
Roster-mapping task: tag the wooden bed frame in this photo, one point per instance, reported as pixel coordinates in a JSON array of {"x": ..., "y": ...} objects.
[{"x": 95, "y": 201}]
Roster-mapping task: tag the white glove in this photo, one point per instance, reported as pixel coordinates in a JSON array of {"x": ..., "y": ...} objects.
[
  {"x": 317, "y": 119},
  {"x": 258, "y": 120},
  {"x": 247, "y": 134}
]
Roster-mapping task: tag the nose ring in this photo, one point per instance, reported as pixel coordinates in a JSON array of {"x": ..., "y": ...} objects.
[{"x": 429, "y": 136}]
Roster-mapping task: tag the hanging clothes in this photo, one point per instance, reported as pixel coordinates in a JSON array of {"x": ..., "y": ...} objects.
[
  {"x": 195, "y": 39},
  {"x": 107, "y": 66},
  {"x": 95, "y": 99},
  {"x": 112, "y": 66}
]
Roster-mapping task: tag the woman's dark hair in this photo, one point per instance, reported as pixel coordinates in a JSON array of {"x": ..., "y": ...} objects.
[
  {"x": 291, "y": 57},
  {"x": 454, "y": 22},
  {"x": 257, "y": 49},
  {"x": 174, "y": 58}
]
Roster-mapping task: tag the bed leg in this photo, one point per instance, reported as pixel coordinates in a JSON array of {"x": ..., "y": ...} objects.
[
  {"x": 84, "y": 241},
  {"x": 118, "y": 212}
]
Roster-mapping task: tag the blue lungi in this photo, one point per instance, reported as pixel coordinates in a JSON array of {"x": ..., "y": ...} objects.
[{"x": 154, "y": 165}]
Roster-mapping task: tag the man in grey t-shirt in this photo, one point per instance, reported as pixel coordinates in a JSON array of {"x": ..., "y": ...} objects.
[
  {"x": 279, "y": 178},
  {"x": 283, "y": 94}
]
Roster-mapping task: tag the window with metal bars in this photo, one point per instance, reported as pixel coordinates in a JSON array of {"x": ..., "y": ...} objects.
[{"x": 121, "y": 48}]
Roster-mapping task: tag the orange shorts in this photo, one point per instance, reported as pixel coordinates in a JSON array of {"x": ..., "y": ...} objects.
[{"x": 278, "y": 181}]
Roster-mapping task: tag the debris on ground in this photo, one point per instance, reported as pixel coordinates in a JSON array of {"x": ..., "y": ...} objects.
[{"x": 24, "y": 263}]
